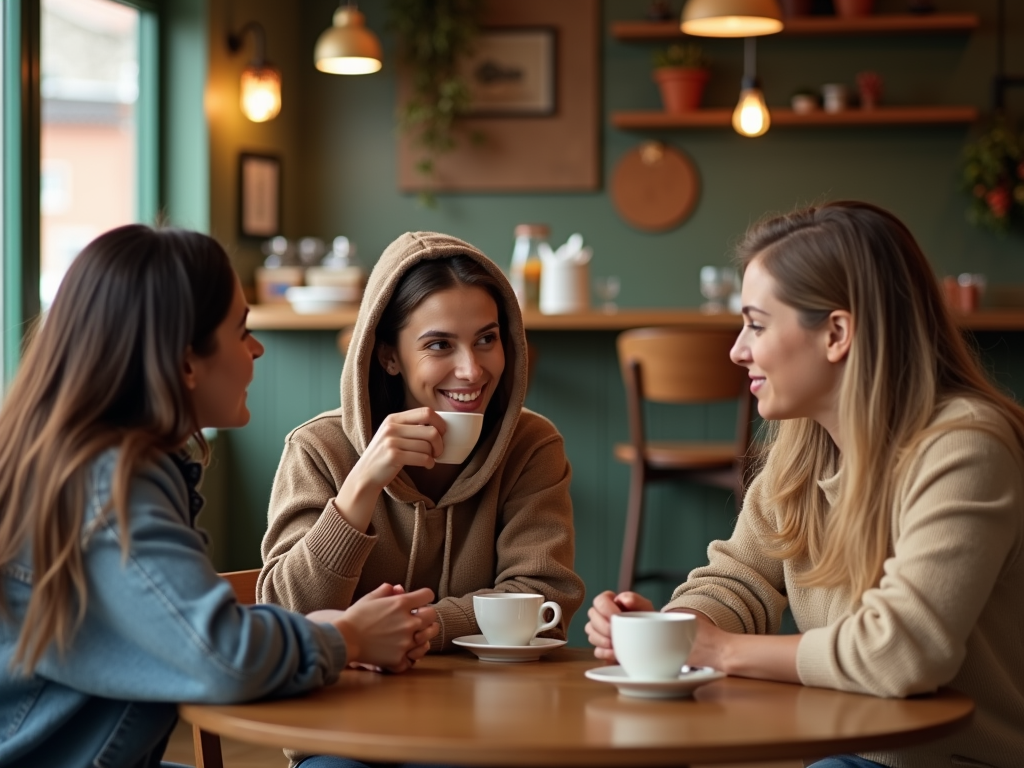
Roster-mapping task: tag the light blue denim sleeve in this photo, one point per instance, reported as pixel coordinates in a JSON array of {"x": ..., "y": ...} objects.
[{"x": 161, "y": 625}]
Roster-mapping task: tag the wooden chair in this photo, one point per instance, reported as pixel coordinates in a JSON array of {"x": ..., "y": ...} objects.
[
  {"x": 677, "y": 366},
  {"x": 207, "y": 745}
]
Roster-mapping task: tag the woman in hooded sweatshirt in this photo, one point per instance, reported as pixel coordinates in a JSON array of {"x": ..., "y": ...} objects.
[{"x": 358, "y": 499}]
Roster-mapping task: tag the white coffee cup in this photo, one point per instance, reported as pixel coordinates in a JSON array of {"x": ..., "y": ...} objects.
[
  {"x": 463, "y": 430},
  {"x": 836, "y": 96},
  {"x": 512, "y": 618},
  {"x": 653, "y": 646}
]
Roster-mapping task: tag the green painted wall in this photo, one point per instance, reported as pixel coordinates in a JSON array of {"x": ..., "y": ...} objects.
[{"x": 341, "y": 179}]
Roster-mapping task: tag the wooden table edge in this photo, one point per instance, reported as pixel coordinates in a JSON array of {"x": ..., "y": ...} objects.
[{"x": 445, "y": 750}]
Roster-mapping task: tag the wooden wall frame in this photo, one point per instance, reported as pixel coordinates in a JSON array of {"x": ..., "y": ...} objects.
[
  {"x": 259, "y": 195},
  {"x": 544, "y": 153}
]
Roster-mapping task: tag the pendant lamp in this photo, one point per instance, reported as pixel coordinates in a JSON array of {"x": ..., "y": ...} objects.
[
  {"x": 731, "y": 18},
  {"x": 347, "y": 47}
]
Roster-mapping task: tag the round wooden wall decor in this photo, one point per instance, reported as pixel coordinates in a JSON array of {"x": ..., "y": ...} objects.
[{"x": 655, "y": 187}]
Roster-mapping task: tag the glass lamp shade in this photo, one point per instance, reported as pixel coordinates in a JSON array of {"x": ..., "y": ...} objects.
[
  {"x": 750, "y": 118},
  {"x": 731, "y": 18},
  {"x": 260, "y": 93},
  {"x": 347, "y": 47}
]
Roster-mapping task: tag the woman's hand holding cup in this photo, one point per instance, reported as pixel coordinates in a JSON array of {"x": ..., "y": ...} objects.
[
  {"x": 606, "y": 605},
  {"x": 406, "y": 439}
]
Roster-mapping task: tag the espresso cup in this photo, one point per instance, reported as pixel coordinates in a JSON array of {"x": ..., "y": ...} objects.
[
  {"x": 512, "y": 618},
  {"x": 463, "y": 430},
  {"x": 653, "y": 646}
]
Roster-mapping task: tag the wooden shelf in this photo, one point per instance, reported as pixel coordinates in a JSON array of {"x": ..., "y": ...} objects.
[
  {"x": 883, "y": 24},
  {"x": 281, "y": 317},
  {"x": 722, "y": 118}
]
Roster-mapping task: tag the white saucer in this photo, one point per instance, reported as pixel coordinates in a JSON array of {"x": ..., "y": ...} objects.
[
  {"x": 537, "y": 648},
  {"x": 684, "y": 685}
]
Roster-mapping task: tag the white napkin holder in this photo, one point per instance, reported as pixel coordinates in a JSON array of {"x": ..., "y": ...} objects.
[{"x": 565, "y": 281}]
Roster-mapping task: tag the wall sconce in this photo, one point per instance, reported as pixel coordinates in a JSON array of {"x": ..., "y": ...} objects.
[
  {"x": 260, "y": 90},
  {"x": 347, "y": 47},
  {"x": 731, "y": 18},
  {"x": 750, "y": 118}
]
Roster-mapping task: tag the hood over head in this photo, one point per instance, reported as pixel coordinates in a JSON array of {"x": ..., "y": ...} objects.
[{"x": 358, "y": 416}]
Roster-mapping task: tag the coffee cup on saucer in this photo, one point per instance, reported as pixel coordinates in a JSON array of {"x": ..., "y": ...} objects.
[
  {"x": 651, "y": 645},
  {"x": 463, "y": 430},
  {"x": 513, "y": 618}
]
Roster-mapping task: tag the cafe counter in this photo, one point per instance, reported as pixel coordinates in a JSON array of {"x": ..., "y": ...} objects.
[
  {"x": 577, "y": 384},
  {"x": 281, "y": 317}
]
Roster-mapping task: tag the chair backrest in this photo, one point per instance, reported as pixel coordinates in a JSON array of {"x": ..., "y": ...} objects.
[
  {"x": 682, "y": 365},
  {"x": 244, "y": 584}
]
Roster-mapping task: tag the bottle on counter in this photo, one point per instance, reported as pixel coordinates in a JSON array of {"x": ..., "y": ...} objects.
[{"x": 526, "y": 265}]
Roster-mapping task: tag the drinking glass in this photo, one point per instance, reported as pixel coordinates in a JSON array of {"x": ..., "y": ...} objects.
[
  {"x": 716, "y": 284},
  {"x": 607, "y": 290}
]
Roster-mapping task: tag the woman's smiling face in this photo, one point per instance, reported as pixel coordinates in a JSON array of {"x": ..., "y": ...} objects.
[
  {"x": 449, "y": 353},
  {"x": 794, "y": 371}
]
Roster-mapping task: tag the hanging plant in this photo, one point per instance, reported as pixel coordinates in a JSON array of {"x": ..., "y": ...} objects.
[
  {"x": 993, "y": 175},
  {"x": 433, "y": 35}
]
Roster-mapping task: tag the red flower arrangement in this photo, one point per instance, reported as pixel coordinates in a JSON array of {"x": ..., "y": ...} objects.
[{"x": 993, "y": 175}]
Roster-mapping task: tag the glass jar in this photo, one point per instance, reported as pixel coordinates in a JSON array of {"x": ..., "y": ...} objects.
[{"x": 525, "y": 271}]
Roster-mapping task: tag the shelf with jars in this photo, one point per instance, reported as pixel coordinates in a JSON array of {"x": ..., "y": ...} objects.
[
  {"x": 881, "y": 24},
  {"x": 639, "y": 31},
  {"x": 722, "y": 118}
]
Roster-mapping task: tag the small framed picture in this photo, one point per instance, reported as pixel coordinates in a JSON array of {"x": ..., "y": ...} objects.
[
  {"x": 512, "y": 72},
  {"x": 259, "y": 195}
]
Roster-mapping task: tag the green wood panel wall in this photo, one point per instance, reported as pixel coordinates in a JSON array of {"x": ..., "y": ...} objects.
[{"x": 577, "y": 385}]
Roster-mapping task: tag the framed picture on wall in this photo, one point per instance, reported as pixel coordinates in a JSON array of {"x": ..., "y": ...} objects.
[
  {"x": 512, "y": 72},
  {"x": 259, "y": 195},
  {"x": 535, "y": 126}
]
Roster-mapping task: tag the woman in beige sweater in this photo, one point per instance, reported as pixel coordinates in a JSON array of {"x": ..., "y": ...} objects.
[
  {"x": 889, "y": 510},
  {"x": 358, "y": 500}
]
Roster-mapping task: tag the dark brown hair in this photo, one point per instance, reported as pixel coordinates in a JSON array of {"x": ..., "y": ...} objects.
[
  {"x": 103, "y": 370},
  {"x": 387, "y": 393}
]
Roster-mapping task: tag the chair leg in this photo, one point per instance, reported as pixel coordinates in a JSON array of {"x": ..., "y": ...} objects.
[
  {"x": 634, "y": 518},
  {"x": 207, "y": 746}
]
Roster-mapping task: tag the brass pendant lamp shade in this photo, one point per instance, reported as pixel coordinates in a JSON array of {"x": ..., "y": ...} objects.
[
  {"x": 731, "y": 18},
  {"x": 347, "y": 47}
]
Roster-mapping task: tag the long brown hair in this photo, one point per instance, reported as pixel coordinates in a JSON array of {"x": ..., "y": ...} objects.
[
  {"x": 906, "y": 360},
  {"x": 104, "y": 369}
]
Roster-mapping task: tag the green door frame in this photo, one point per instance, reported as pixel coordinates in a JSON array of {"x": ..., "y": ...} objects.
[
  {"x": 21, "y": 120},
  {"x": 21, "y": 157}
]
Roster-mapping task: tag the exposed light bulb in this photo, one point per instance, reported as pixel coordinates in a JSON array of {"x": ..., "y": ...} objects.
[
  {"x": 750, "y": 118},
  {"x": 260, "y": 93}
]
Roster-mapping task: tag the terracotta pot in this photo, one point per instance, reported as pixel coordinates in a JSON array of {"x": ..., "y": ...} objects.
[
  {"x": 681, "y": 87},
  {"x": 853, "y": 8}
]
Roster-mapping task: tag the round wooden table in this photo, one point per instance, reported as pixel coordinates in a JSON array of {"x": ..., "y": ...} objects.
[{"x": 455, "y": 709}]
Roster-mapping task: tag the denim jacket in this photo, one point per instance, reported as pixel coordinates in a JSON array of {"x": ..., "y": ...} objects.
[{"x": 159, "y": 628}]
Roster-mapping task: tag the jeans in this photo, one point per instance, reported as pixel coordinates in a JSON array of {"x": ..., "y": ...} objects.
[
  {"x": 845, "y": 761},
  {"x": 327, "y": 761}
]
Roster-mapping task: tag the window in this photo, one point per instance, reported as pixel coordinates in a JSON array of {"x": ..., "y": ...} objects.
[{"x": 89, "y": 84}]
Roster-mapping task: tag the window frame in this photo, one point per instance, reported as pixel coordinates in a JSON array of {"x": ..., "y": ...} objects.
[{"x": 21, "y": 158}]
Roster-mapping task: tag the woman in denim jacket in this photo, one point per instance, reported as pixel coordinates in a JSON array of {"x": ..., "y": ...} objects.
[{"x": 110, "y": 611}]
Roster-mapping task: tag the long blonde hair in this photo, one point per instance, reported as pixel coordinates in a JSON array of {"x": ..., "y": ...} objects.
[
  {"x": 906, "y": 360},
  {"x": 104, "y": 369}
]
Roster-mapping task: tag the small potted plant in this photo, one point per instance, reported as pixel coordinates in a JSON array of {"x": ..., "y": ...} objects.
[{"x": 681, "y": 72}]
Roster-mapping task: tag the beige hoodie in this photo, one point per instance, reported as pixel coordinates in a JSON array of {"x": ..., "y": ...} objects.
[
  {"x": 505, "y": 524},
  {"x": 945, "y": 612}
]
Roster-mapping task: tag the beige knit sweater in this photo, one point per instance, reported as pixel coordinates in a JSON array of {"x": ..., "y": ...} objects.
[
  {"x": 946, "y": 612},
  {"x": 505, "y": 524}
]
